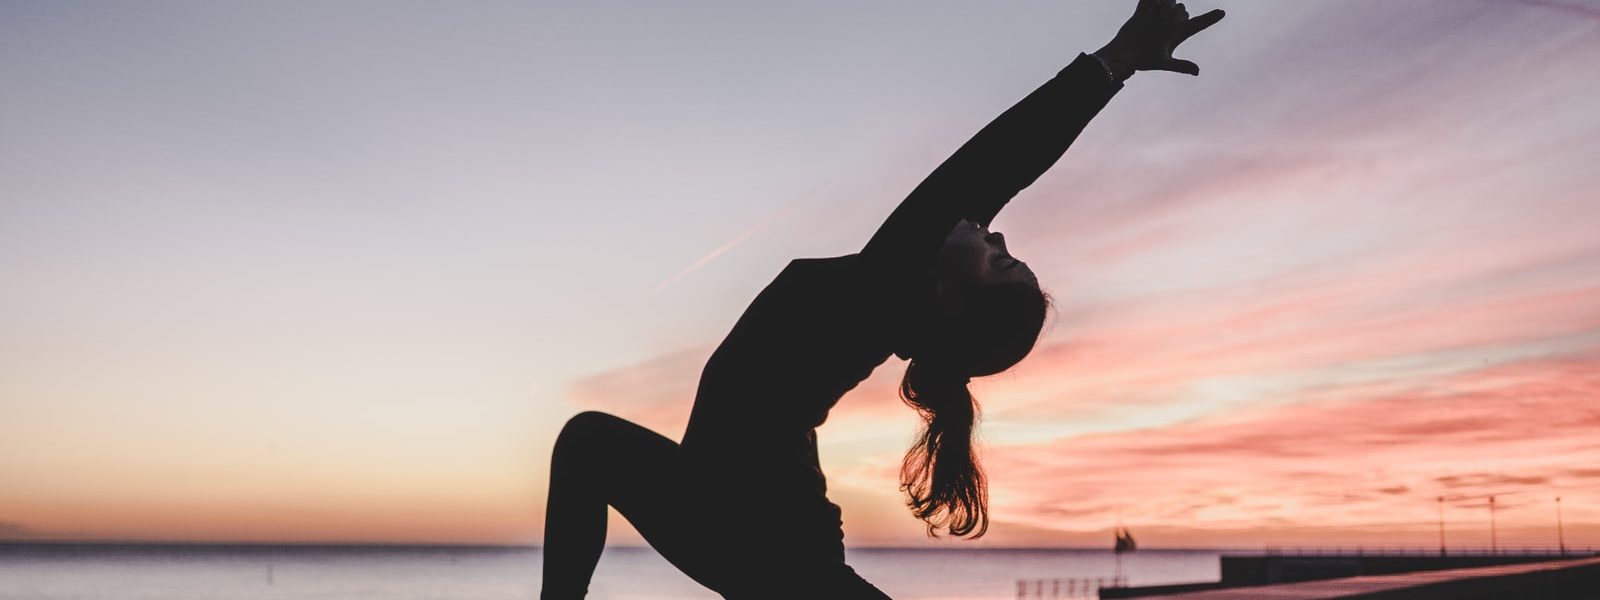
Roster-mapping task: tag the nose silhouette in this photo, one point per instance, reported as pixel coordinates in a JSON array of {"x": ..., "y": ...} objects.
[{"x": 996, "y": 238}]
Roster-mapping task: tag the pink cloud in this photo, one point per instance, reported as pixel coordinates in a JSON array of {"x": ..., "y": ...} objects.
[
  {"x": 1366, "y": 457},
  {"x": 657, "y": 393}
]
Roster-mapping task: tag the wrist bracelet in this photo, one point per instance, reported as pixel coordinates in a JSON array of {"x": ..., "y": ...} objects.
[{"x": 1112, "y": 75}]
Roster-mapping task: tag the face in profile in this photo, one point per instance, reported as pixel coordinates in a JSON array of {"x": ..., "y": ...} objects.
[{"x": 973, "y": 256}]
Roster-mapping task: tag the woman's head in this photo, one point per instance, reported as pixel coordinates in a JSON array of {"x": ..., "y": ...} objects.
[
  {"x": 974, "y": 256},
  {"x": 991, "y": 314},
  {"x": 991, "y": 307}
]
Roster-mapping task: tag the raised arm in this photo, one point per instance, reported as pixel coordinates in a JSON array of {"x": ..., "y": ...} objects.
[
  {"x": 1004, "y": 157},
  {"x": 1022, "y": 143}
]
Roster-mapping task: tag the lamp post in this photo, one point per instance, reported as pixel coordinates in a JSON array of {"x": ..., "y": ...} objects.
[
  {"x": 1441, "y": 524},
  {"x": 1494, "y": 548},
  {"x": 1561, "y": 538}
]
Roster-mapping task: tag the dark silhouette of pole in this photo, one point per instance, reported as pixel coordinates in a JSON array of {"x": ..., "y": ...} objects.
[
  {"x": 1561, "y": 538},
  {"x": 1493, "y": 547},
  {"x": 1441, "y": 525}
]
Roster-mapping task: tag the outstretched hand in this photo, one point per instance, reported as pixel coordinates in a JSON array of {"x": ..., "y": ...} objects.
[{"x": 1146, "y": 41}]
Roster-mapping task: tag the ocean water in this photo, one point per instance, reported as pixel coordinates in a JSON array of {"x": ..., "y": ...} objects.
[{"x": 79, "y": 572}]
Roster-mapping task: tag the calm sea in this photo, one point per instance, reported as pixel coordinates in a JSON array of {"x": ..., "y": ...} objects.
[{"x": 55, "y": 572}]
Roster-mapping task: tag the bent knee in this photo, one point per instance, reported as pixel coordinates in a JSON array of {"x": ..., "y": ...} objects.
[
  {"x": 584, "y": 428},
  {"x": 586, "y": 423},
  {"x": 589, "y": 419}
]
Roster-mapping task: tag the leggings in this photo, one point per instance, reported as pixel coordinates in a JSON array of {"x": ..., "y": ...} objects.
[{"x": 740, "y": 547}]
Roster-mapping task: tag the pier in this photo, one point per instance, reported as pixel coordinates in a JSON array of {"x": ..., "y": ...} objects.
[
  {"x": 1068, "y": 587},
  {"x": 1306, "y": 573},
  {"x": 1565, "y": 579}
]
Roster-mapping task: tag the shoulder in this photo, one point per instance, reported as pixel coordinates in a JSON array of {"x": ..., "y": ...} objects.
[
  {"x": 848, "y": 262},
  {"x": 849, "y": 271},
  {"x": 872, "y": 282},
  {"x": 850, "y": 265}
]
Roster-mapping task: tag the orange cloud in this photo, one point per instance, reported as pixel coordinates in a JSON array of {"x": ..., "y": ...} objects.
[
  {"x": 1361, "y": 457},
  {"x": 656, "y": 393}
]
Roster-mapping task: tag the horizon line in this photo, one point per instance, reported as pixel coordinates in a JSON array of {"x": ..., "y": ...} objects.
[{"x": 1510, "y": 549}]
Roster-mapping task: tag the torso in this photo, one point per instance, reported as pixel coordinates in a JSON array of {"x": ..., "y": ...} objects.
[{"x": 810, "y": 336}]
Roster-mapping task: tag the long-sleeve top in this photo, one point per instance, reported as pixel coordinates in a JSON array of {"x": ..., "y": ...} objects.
[{"x": 823, "y": 325}]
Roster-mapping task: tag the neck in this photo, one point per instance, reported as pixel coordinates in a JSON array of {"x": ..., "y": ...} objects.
[{"x": 914, "y": 322}]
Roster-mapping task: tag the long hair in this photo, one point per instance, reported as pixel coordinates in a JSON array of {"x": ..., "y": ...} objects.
[{"x": 995, "y": 328}]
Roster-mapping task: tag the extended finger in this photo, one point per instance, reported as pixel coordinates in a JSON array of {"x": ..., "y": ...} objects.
[{"x": 1198, "y": 24}]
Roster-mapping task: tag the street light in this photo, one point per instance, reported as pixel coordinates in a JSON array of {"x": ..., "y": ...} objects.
[
  {"x": 1561, "y": 537},
  {"x": 1441, "y": 524},
  {"x": 1494, "y": 548}
]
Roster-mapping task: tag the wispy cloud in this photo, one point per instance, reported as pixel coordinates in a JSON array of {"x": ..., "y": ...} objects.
[
  {"x": 656, "y": 393},
  {"x": 720, "y": 250},
  {"x": 14, "y": 530},
  {"x": 1571, "y": 8},
  {"x": 1357, "y": 457}
]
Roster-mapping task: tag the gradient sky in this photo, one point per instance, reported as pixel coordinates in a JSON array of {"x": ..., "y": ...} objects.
[{"x": 338, "y": 272}]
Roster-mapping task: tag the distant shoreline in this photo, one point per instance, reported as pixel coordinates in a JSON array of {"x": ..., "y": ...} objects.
[{"x": 110, "y": 544}]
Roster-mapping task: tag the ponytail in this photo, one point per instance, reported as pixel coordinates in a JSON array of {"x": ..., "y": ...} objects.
[
  {"x": 940, "y": 475},
  {"x": 994, "y": 328}
]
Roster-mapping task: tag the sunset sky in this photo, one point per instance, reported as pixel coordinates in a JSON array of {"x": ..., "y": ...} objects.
[{"x": 339, "y": 272}]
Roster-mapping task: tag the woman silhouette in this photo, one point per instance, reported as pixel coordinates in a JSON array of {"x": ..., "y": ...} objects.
[{"x": 740, "y": 505}]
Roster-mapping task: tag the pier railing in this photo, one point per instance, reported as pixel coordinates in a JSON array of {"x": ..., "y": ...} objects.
[
  {"x": 1553, "y": 551},
  {"x": 1070, "y": 587},
  {"x": 1089, "y": 587}
]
